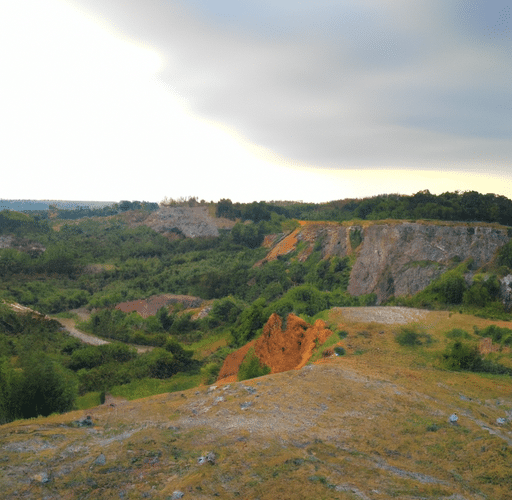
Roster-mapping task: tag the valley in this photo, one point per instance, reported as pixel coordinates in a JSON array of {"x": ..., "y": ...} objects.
[{"x": 195, "y": 350}]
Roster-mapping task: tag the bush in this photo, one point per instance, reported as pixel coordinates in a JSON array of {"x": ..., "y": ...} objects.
[
  {"x": 92, "y": 356},
  {"x": 340, "y": 351},
  {"x": 411, "y": 337},
  {"x": 251, "y": 367},
  {"x": 465, "y": 357},
  {"x": 457, "y": 333},
  {"x": 499, "y": 335},
  {"x": 342, "y": 334}
]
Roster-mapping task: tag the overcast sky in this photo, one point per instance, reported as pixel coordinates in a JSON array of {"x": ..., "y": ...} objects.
[{"x": 254, "y": 100}]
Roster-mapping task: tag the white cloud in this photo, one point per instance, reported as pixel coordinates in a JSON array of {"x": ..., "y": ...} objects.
[{"x": 148, "y": 99}]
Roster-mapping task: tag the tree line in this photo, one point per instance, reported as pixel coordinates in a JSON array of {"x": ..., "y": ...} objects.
[{"x": 450, "y": 206}]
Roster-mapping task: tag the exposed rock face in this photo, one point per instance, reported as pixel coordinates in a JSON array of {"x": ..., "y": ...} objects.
[
  {"x": 22, "y": 245},
  {"x": 403, "y": 259},
  {"x": 281, "y": 350},
  {"x": 396, "y": 258},
  {"x": 192, "y": 222},
  {"x": 506, "y": 291},
  {"x": 292, "y": 347}
]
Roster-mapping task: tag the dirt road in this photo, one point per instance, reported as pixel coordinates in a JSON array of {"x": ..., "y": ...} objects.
[{"x": 86, "y": 338}]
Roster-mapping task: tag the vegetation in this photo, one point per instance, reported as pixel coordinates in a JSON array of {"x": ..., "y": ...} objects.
[
  {"x": 457, "y": 206},
  {"x": 411, "y": 337},
  {"x": 251, "y": 367},
  {"x": 462, "y": 356},
  {"x": 95, "y": 262}
]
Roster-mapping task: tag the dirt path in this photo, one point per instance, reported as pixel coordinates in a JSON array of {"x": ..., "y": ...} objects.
[{"x": 86, "y": 338}]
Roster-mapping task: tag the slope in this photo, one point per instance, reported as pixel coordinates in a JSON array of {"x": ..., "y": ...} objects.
[{"x": 372, "y": 424}]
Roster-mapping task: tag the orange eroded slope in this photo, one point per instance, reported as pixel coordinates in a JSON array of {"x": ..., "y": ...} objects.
[
  {"x": 229, "y": 371},
  {"x": 291, "y": 348},
  {"x": 281, "y": 350}
]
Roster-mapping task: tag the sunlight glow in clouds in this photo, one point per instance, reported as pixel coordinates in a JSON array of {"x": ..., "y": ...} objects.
[{"x": 92, "y": 108}]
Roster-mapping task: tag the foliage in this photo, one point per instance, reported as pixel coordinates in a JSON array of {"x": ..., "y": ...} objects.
[
  {"x": 36, "y": 386},
  {"x": 91, "y": 356},
  {"x": 249, "y": 235},
  {"x": 340, "y": 351},
  {"x": 461, "y": 356},
  {"x": 224, "y": 312},
  {"x": 411, "y": 337},
  {"x": 251, "y": 367},
  {"x": 457, "y": 333},
  {"x": 499, "y": 335},
  {"x": 249, "y": 322}
]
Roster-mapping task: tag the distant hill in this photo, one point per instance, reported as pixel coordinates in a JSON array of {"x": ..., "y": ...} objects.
[{"x": 24, "y": 205}]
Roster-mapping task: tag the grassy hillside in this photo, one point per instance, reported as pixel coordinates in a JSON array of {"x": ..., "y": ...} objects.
[{"x": 370, "y": 424}]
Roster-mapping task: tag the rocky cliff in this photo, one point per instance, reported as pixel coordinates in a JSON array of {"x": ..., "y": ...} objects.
[
  {"x": 192, "y": 222},
  {"x": 396, "y": 258}
]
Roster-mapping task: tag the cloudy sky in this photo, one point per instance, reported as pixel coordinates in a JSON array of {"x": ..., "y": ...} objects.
[{"x": 254, "y": 100}]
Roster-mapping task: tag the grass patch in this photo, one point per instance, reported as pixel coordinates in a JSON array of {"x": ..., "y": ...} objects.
[
  {"x": 88, "y": 400},
  {"x": 151, "y": 386},
  {"x": 317, "y": 353}
]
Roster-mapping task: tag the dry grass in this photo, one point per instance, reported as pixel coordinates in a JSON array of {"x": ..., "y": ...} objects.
[{"x": 371, "y": 424}]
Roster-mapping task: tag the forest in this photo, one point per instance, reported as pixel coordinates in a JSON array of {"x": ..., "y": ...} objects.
[{"x": 43, "y": 370}]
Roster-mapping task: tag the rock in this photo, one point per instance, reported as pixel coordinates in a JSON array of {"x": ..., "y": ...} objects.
[
  {"x": 250, "y": 390},
  {"x": 101, "y": 460},
  {"x": 506, "y": 291},
  {"x": 42, "y": 477},
  {"x": 176, "y": 495},
  {"x": 86, "y": 422},
  {"x": 211, "y": 388},
  {"x": 245, "y": 405},
  {"x": 403, "y": 259},
  {"x": 501, "y": 421},
  {"x": 210, "y": 458},
  {"x": 218, "y": 399},
  {"x": 192, "y": 222},
  {"x": 453, "y": 419}
]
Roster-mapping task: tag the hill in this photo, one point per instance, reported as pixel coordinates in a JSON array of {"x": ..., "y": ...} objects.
[
  {"x": 372, "y": 424},
  {"x": 394, "y": 258}
]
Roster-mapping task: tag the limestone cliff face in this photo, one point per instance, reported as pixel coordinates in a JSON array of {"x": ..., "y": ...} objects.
[
  {"x": 398, "y": 258},
  {"x": 193, "y": 222},
  {"x": 403, "y": 259}
]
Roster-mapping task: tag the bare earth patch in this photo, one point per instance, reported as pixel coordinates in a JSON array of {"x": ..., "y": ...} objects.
[{"x": 383, "y": 315}]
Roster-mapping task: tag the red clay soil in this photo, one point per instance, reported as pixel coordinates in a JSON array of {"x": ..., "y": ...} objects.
[
  {"x": 289, "y": 349},
  {"x": 486, "y": 346},
  {"x": 281, "y": 350},
  {"x": 149, "y": 307},
  {"x": 229, "y": 371}
]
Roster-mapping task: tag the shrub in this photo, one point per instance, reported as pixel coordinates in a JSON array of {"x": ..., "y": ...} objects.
[
  {"x": 342, "y": 334},
  {"x": 457, "y": 333},
  {"x": 340, "y": 351},
  {"x": 251, "y": 367},
  {"x": 497, "y": 334},
  {"x": 411, "y": 337},
  {"x": 465, "y": 357}
]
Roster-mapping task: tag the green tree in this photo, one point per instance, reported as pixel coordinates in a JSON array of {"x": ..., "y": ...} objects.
[{"x": 251, "y": 367}]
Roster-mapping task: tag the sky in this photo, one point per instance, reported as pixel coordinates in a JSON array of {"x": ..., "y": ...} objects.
[{"x": 255, "y": 100}]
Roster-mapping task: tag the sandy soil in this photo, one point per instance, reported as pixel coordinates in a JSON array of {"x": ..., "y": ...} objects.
[{"x": 384, "y": 315}]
